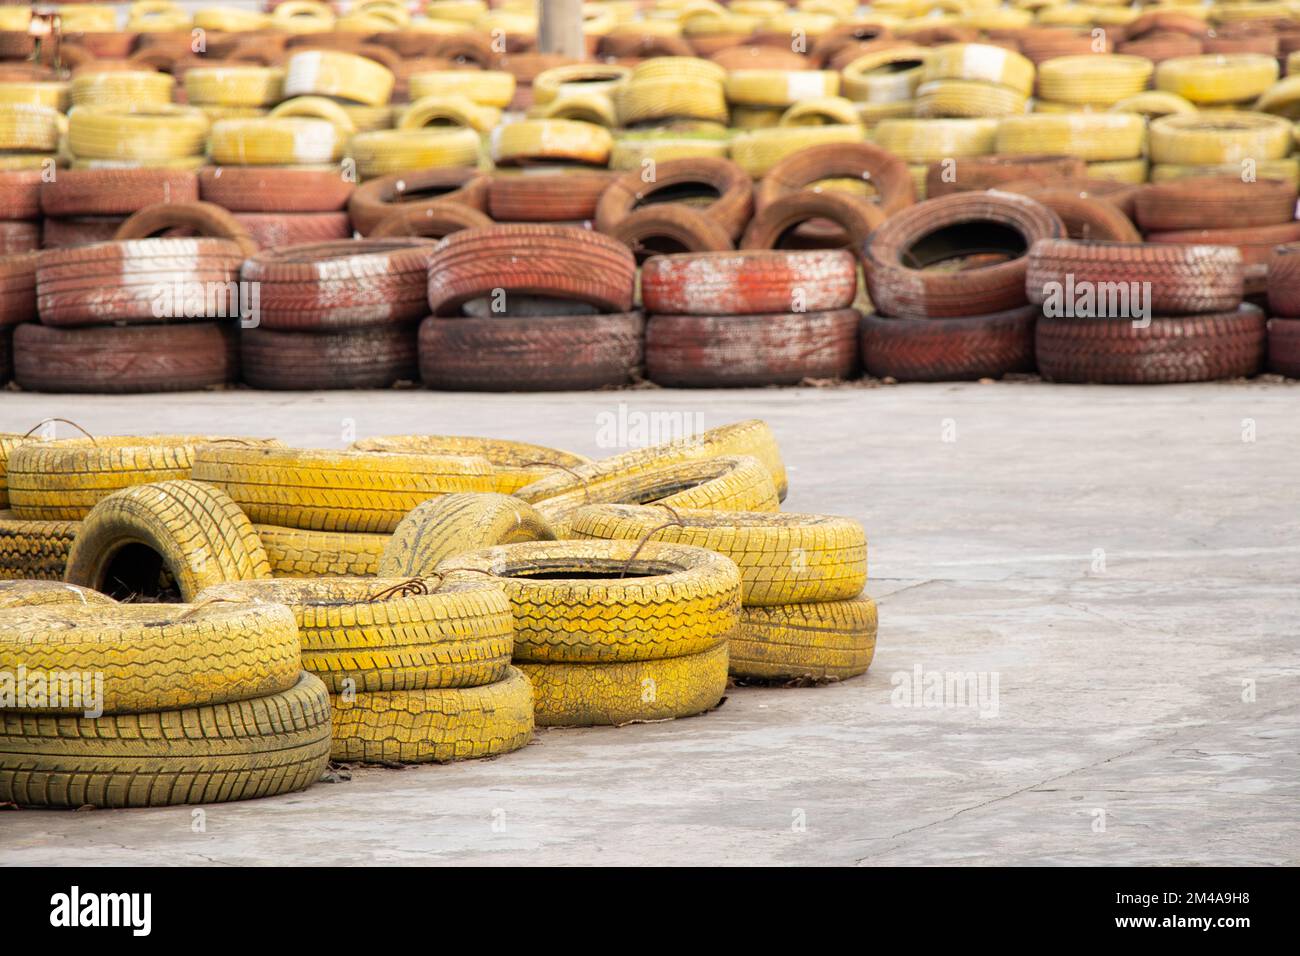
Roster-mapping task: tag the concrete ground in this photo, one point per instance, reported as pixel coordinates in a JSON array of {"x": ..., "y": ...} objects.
[{"x": 1123, "y": 562}]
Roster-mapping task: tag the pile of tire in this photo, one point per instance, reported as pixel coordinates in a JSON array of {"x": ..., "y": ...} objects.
[
  {"x": 20, "y": 211},
  {"x": 85, "y": 206},
  {"x": 1284, "y": 306}
]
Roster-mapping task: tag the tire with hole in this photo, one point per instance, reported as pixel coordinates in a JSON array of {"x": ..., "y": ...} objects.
[
  {"x": 777, "y": 223},
  {"x": 205, "y": 218},
  {"x": 749, "y": 282},
  {"x": 826, "y": 641},
  {"x": 541, "y": 195},
  {"x": 882, "y": 169},
  {"x": 373, "y": 357},
  {"x": 374, "y": 201},
  {"x": 454, "y": 524},
  {"x": 947, "y": 350},
  {"x": 659, "y": 229},
  {"x": 687, "y": 177}
]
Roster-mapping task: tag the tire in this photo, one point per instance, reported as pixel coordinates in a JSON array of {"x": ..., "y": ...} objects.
[
  {"x": 538, "y": 196},
  {"x": 374, "y": 357},
  {"x": 156, "y": 657},
  {"x": 1211, "y": 137},
  {"x": 68, "y": 233},
  {"x": 149, "y": 539},
  {"x": 204, "y": 218},
  {"x": 377, "y": 634},
  {"x": 572, "y": 603},
  {"x": 270, "y": 189},
  {"x": 862, "y": 161},
  {"x": 115, "y": 192},
  {"x": 436, "y": 725},
  {"x": 434, "y": 221},
  {"x": 276, "y": 229},
  {"x": 20, "y": 194},
  {"x": 1121, "y": 195},
  {"x": 17, "y": 290},
  {"x": 592, "y": 695},
  {"x": 316, "y": 554},
  {"x": 557, "y": 261},
  {"x": 454, "y": 524},
  {"x": 347, "y": 284},
  {"x": 376, "y": 200},
  {"x": 334, "y": 491},
  {"x": 531, "y": 354},
  {"x": 1284, "y": 347},
  {"x": 34, "y": 550},
  {"x": 1088, "y": 218},
  {"x": 27, "y": 593},
  {"x": 234, "y": 751},
  {"x": 948, "y": 350},
  {"x": 990, "y": 172},
  {"x": 1184, "y": 278},
  {"x": 1284, "y": 281},
  {"x": 1194, "y": 348},
  {"x": 749, "y": 282},
  {"x": 1255, "y": 244},
  {"x": 1215, "y": 202},
  {"x": 18, "y": 237},
  {"x": 685, "y": 178},
  {"x": 659, "y": 229},
  {"x": 774, "y": 224},
  {"x": 751, "y": 437},
  {"x": 954, "y": 226},
  {"x": 515, "y": 463},
  {"x": 829, "y": 641},
  {"x": 783, "y": 558},
  {"x": 733, "y": 483},
  {"x": 6, "y": 353},
  {"x": 742, "y": 351}
]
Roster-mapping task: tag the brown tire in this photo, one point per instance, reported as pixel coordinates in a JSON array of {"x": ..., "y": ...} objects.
[
  {"x": 644, "y": 45},
  {"x": 749, "y": 282},
  {"x": 990, "y": 172},
  {"x": 67, "y": 233},
  {"x": 775, "y": 225},
  {"x": 560, "y": 262},
  {"x": 970, "y": 226},
  {"x": 347, "y": 284},
  {"x": 1284, "y": 347},
  {"x": 378, "y": 199},
  {"x": 1255, "y": 244},
  {"x": 272, "y": 189},
  {"x": 681, "y": 179},
  {"x": 436, "y": 220},
  {"x": 739, "y": 351},
  {"x": 275, "y": 229},
  {"x": 126, "y": 359},
  {"x": 1193, "y": 348},
  {"x": 1121, "y": 195},
  {"x": 374, "y": 357},
  {"x": 538, "y": 354},
  {"x": 17, "y": 288},
  {"x": 570, "y": 196},
  {"x": 205, "y": 218},
  {"x": 16, "y": 237},
  {"x": 20, "y": 194},
  {"x": 1284, "y": 281},
  {"x": 882, "y": 169},
  {"x": 949, "y": 350},
  {"x": 668, "y": 229},
  {"x": 115, "y": 192},
  {"x": 1184, "y": 279},
  {"x": 1094, "y": 219},
  {"x": 1214, "y": 202},
  {"x": 759, "y": 57}
]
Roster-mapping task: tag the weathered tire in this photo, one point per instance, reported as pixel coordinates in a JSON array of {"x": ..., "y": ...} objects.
[
  {"x": 270, "y": 189},
  {"x": 1284, "y": 281},
  {"x": 589, "y": 695},
  {"x": 374, "y": 201},
  {"x": 776, "y": 223},
  {"x": 830, "y": 640},
  {"x": 28, "y": 593},
  {"x": 679, "y": 179},
  {"x": 205, "y": 218},
  {"x": 295, "y": 553},
  {"x": 1088, "y": 218},
  {"x": 276, "y": 229},
  {"x": 668, "y": 229},
  {"x": 951, "y": 227},
  {"x": 1194, "y": 348},
  {"x": 514, "y": 463},
  {"x": 990, "y": 172},
  {"x": 779, "y": 348},
  {"x": 34, "y": 550},
  {"x": 17, "y": 288},
  {"x": 572, "y": 602},
  {"x": 749, "y": 282},
  {"x": 435, "y": 220},
  {"x": 946, "y": 350},
  {"x": 233, "y": 751},
  {"x": 1121, "y": 195},
  {"x": 374, "y": 357},
  {"x": 437, "y": 725},
  {"x": 545, "y": 195},
  {"x": 1284, "y": 347},
  {"x": 17, "y": 237},
  {"x": 529, "y": 354},
  {"x": 115, "y": 192},
  {"x": 454, "y": 524},
  {"x": 73, "y": 231},
  {"x": 1215, "y": 202},
  {"x": 1256, "y": 244},
  {"x": 20, "y": 194},
  {"x": 862, "y": 161}
]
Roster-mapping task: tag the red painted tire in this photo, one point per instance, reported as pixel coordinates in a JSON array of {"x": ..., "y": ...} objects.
[
  {"x": 346, "y": 284},
  {"x": 373, "y": 202},
  {"x": 436, "y": 220},
  {"x": 544, "y": 195},
  {"x": 779, "y": 223},
  {"x": 738, "y": 351},
  {"x": 274, "y": 189},
  {"x": 126, "y": 359},
  {"x": 204, "y": 218},
  {"x": 277, "y": 229},
  {"x": 68, "y": 233},
  {"x": 20, "y": 194},
  {"x": 531, "y": 354},
  {"x": 885, "y": 171},
  {"x": 749, "y": 282},
  {"x": 18, "y": 236},
  {"x": 949, "y": 350},
  {"x": 946, "y": 229},
  {"x": 115, "y": 192},
  {"x": 1284, "y": 281},
  {"x": 17, "y": 288},
  {"x": 560, "y": 262},
  {"x": 668, "y": 229},
  {"x": 1256, "y": 244},
  {"x": 990, "y": 172},
  {"x": 1214, "y": 202},
  {"x": 682, "y": 178},
  {"x": 1121, "y": 195},
  {"x": 374, "y": 357},
  {"x": 1284, "y": 347},
  {"x": 1192, "y": 348}
]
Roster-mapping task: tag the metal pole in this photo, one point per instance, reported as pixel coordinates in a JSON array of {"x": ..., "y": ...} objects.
[{"x": 559, "y": 28}]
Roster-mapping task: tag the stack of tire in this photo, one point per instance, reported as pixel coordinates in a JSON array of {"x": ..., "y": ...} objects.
[
  {"x": 1110, "y": 143},
  {"x": 882, "y": 82},
  {"x": 205, "y": 703},
  {"x": 1221, "y": 143},
  {"x": 750, "y": 318},
  {"x": 432, "y": 203},
  {"x": 339, "y": 314},
  {"x": 973, "y": 80},
  {"x": 1284, "y": 307},
  {"x": 530, "y": 307},
  {"x": 282, "y": 205},
  {"x": 415, "y": 673},
  {"x": 1175, "y": 315},
  {"x": 29, "y": 136},
  {"x": 83, "y": 206},
  {"x": 126, "y": 119},
  {"x": 139, "y": 314},
  {"x": 952, "y": 324},
  {"x": 922, "y": 142},
  {"x": 672, "y": 107},
  {"x": 20, "y": 211}
]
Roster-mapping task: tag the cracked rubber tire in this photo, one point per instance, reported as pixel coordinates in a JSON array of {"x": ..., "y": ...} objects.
[
  {"x": 454, "y": 524},
  {"x": 948, "y": 350},
  {"x": 749, "y": 282},
  {"x": 830, "y": 640},
  {"x": 374, "y": 357}
]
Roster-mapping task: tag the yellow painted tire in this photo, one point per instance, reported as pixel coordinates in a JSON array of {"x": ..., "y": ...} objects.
[
  {"x": 233, "y": 751},
  {"x": 1130, "y": 171},
  {"x": 885, "y": 76},
  {"x": 121, "y": 89},
  {"x": 369, "y": 634},
  {"x": 381, "y": 152},
  {"x": 591, "y": 695},
  {"x": 199, "y": 535},
  {"x": 571, "y": 604},
  {"x": 713, "y": 484},
  {"x": 1093, "y": 137},
  {"x": 303, "y": 16},
  {"x": 367, "y": 119},
  {"x": 231, "y": 20},
  {"x": 1288, "y": 169},
  {"x": 578, "y": 78},
  {"x": 1093, "y": 79},
  {"x": 338, "y": 74},
  {"x": 821, "y": 111},
  {"x": 154, "y": 656},
  {"x": 678, "y": 67},
  {"x": 234, "y": 86},
  {"x": 752, "y": 437},
  {"x": 8, "y": 442},
  {"x": 871, "y": 114},
  {"x": 1212, "y": 137},
  {"x": 148, "y": 134},
  {"x": 551, "y": 140},
  {"x": 34, "y": 550},
  {"x": 758, "y": 117},
  {"x": 958, "y": 98},
  {"x": 437, "y": 725},
  {"x": 631, "y": 152},
  {"x": 928, "y": 141},
  {"x": 1281, "y": 99},
  {"x": 316, "y": 107},
  {"x": 779, "y": 87},
  {"x": 274, "y": 141},
  {"x": 669, "y": 97},
  {"x": 454, "y": 524},
  {"x": 515, "y": 463},
  {"x": 40, "y": 593},
  {"x": 53, "y": 94},
  {"x": 295, "y": 553},
  {"x": 980, "y": 62},
  {"x": 25, "y": 127},
  {"x": 1216, "y": 79},
  {"x": 757, "y": 151},
  {"x": 334, "y": 491},
  {"x": 485, "y": 87},
  {"x": 594, "y": 108},
  {"x": 455, "y": 110},
  {"x": 829, "y": 640},
  {"x": 1152, "y": 104},
  {"x": 783, "y": 558}
]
